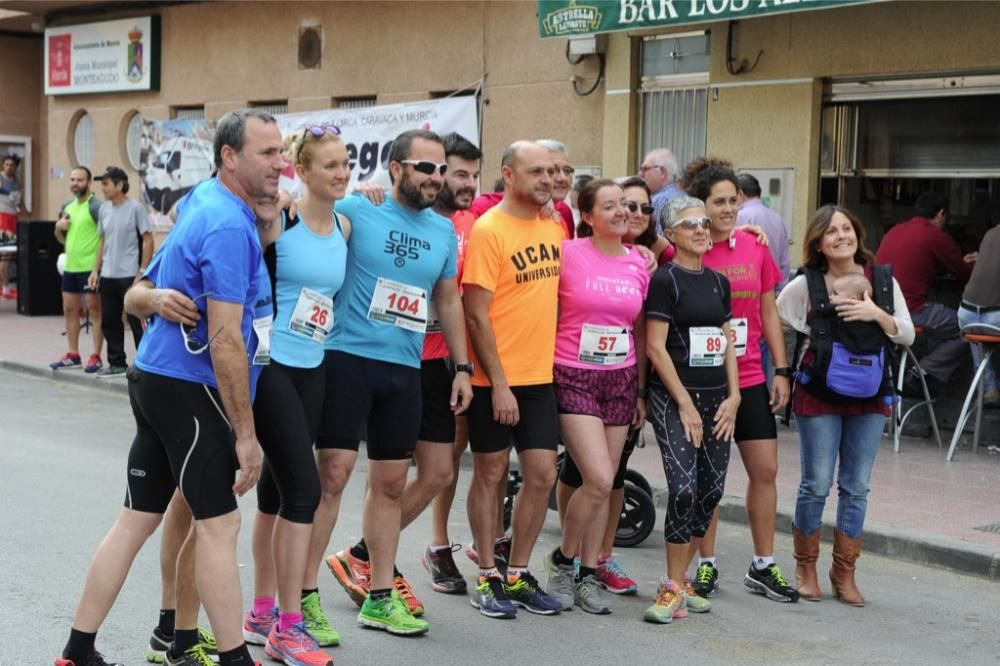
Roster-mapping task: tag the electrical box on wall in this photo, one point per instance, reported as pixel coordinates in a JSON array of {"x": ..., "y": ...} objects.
[
  {"x": 587, "y": 45},
  {"x": 777, "y": 191}
]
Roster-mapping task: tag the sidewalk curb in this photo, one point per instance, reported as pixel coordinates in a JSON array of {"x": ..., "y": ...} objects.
[
  {"x": 74, "y": 377},
  {"x": 896, "y": 542}
]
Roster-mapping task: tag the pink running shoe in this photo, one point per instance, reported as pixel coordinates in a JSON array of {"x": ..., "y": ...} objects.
[{"x": 612, "y": 577}]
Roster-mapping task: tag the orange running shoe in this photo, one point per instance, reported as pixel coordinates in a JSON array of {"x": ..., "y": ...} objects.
[
  {"x": 405, "y": 591},
  {"x": 353, "y": 574}
]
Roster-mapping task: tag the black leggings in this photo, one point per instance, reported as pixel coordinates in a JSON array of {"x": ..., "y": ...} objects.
[
  {"x": 696, "y": 477},
  {"x": 182, "y": 440},
  {"x": 286, "y": 415},
  {"x": 570, "y": 473}
]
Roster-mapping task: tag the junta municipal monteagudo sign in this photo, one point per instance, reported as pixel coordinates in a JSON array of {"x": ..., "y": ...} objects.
[
  {"x": 565, "y": 18},
  {"x": 110, "y": 56}
]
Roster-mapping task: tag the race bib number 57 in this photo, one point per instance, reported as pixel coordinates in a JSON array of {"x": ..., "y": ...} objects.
[
  {"x": 603, "y": 345},
  {"x": 399, "y": 304},
  {"x": 708, "y": 347}
]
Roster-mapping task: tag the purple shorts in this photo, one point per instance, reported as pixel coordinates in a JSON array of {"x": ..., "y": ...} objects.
[{"x": 609, "y": 395}]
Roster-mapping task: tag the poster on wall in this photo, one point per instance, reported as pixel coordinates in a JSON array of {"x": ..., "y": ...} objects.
[
  {"x": 175, "y": 155},
  {"x": 110, "y": 56}
]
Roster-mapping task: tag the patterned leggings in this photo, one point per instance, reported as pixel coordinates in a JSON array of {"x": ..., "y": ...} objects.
[{"x": 696, "y": 477}]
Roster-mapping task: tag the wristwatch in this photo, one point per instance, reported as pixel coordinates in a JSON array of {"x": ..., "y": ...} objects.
[
  {"x": 465, "y": 367},
  {"x": 783, "y": 372},
  {"x": 642, "y": 393}
]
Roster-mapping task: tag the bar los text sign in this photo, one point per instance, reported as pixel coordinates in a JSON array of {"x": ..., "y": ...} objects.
[
  {"x": 111, "y": 56},
  {"x": 565, "y": 18}
]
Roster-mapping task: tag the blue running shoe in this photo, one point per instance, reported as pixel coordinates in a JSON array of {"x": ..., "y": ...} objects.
[
  {"x": 491, "y": 599},
  {"x": 527, "y": 594}
]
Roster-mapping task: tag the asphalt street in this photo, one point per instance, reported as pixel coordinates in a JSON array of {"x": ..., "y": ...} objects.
[{"x": 63, "y": 452}]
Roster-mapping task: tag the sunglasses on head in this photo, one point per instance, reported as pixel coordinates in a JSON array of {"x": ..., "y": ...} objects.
[
  {"x": 691, "y": 223},
  {"x": 426, "y": 167},
  {"x": 192, "y": 344},
  {"x": 317, "y": 131},
  {"x": 634, "y": 206}
]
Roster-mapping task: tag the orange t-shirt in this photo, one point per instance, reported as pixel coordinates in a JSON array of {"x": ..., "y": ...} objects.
[{"x": 518, "y": 260}]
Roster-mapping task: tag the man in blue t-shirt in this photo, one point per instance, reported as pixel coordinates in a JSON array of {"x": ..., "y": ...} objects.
[
  {"x": 401, "y": 255},
  {"x": 191, "y": 390}
]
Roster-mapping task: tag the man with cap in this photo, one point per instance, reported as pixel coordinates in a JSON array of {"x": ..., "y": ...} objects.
[{"x": 125, "y": 248}]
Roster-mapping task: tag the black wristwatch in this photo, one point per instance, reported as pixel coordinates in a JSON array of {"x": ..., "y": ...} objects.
[
  {"x": 642, "y": 394},
  {"x": 465, "y": 367},
  {"x": 783, "y": 372}
]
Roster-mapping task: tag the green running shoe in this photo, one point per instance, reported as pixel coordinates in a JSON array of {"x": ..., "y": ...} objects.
[
  {"x": 316, "y": 622},
  {"x": 694, "y": 602},
  {"x": 391, "y": 615}
]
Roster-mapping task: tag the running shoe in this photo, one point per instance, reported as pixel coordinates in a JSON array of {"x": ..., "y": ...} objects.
[
  {"x": 392, "y": 615},
  {"x": 112, "y": 371},
  {"x": 354, "y": 575},
  {"x": 559, "y": 579},
  {"x": 706, "y": 580},
  {"x": 93, "y": 364},
  {"x": 527, "y": 594},
  {"x": 405, "y": 590},
  {"x": 96, "y": 659},
  {"x": 694, "y": 602},
  {"x": 445, "y": 576},
  {"x": 587, "y": 594},
  {"x": 256, "y": 629},
  {"x": 295, "y": 647},
  {"x": 195, "y": 656},
  {"x": 206, "y": 639},
  {"x": 771, "y": 583},
  {"x": 317, "y": 624},
  {"x": 491, "y": 599},
  {"x": 501, "y": 554},
  {"x": 159, "y": 643},
  {"x": 613, "y": 578},
  {"x": 66, "y": 361},
  {"x": 669, "y": 603}
]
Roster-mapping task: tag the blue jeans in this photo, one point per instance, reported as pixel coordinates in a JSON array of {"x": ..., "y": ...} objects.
[
  {"x": 822, "y": 439},
  {"x": 967, "y": 317}
]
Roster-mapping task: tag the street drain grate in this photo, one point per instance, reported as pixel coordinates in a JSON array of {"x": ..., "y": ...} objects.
[{"x": 993, "y": 528}]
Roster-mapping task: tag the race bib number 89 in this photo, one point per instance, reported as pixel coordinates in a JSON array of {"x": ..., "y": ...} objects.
[
  {"x": 708, "y": 347},
  {"x": 399, "y": 304}
]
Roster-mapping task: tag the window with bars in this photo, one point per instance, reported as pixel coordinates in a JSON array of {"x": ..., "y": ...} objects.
[
  {"x": 354, "y": 102},
  {"x": 189, "y": 113},
  {"x": 674, "y": 95},
  {"x": 84, "y": 140},
  {"x": 274, "y": 108}
]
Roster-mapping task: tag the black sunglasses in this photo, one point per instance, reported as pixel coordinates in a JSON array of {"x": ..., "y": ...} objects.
[
  {"x": 634, "y": 206},
  {"x": 426, "y": 167}
]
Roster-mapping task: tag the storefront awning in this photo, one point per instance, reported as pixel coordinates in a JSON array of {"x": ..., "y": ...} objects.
[{"x": 566, "y": 18}]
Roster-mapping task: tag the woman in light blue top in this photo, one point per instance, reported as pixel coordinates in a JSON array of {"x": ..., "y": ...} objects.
[{"x": 307, "y": 263}]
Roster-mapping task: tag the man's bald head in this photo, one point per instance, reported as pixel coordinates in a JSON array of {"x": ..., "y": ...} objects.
[
  {"x": 527, "y": 171},
  {"x": 519, "y": 151}
]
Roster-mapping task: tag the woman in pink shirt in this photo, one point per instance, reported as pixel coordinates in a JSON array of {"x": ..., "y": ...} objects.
[
  {"x": 753, "y": 275},
  {"x": 599, "y": 377}
]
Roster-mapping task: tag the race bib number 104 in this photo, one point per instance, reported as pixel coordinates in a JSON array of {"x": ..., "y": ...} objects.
[{"x": 399, "y": 304}]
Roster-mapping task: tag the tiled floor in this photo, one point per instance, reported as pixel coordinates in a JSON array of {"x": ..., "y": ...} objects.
[{"x": 915, "y": 488}]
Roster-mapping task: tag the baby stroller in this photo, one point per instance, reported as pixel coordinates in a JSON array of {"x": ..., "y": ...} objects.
[{"x": 638, "y": 511}]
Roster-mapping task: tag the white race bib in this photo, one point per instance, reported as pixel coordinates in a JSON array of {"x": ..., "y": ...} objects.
[
  {"x": 399, "y": 304},
  {"x": 262, "y": 327},
  {"x": 738, "y": 329},
  {"x": 603, "y": 345},
  {"x": 312, "y": 316},
  {"x": 433, "y": 323},
  {"x": 708, "y": 346}
]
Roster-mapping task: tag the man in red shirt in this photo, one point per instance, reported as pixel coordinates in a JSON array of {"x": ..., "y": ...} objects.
[{"x": 917, "y": 249}]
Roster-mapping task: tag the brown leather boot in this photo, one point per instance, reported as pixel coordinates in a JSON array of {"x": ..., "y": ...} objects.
[
  {"x": 806, "y": 553},
  {"x": 845, "y": 553}
]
